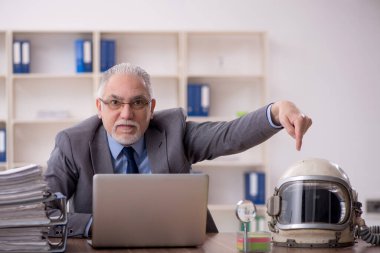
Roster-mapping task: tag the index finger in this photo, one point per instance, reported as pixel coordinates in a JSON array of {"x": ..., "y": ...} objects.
[{"x": 299, "y": 126}]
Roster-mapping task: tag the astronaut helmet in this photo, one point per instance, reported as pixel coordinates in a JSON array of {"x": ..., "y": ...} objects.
[{"x": 313, "y": 205}]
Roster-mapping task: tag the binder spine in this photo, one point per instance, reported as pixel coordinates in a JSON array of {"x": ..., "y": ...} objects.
[
  {"x": 103, "y": 55},
  {"x": 255, "y": 187},
  {"x": 198, "y": 99},
  {"x": 107, "y": 54},
  {"x": 205, "y": 100},
  {"x": 190, "y": 99},
  {"x": 3, "y": 143},
  {"x": 83, "y": 55},
  {"x": 111, "y": 53},
  {"x": 17, "y": 57},
  {"x": 25, "y": 57},
  {"x": 87, "y": 55},
  {"x": 79, "y": 56}
]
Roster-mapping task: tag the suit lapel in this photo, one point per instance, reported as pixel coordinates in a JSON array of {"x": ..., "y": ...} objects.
[
  {"x": 155, "y": 141},
  {"x": 100, "y": 154}
]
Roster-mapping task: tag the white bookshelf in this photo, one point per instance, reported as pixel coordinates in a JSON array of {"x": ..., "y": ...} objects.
[
  {"x": 35, "y": 106},
  {"x": 233, "y": 65},
  {"x": 69, "y": 97},
  {"x": 52, "y": 52}
]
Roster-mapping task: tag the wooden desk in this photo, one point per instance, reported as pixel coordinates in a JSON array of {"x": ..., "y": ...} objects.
[{"x": 218, "y": 243}]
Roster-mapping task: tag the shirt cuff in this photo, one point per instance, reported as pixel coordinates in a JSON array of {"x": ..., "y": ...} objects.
[
  {"x": 270, "y": 117},
  {"x": 87, "y": 230}
]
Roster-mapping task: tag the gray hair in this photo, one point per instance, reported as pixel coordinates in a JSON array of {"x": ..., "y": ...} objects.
[{"x": 125, "y": 68}]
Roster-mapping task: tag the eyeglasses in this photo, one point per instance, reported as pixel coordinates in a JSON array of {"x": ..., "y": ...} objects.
[{"x": 135, "y": 104}]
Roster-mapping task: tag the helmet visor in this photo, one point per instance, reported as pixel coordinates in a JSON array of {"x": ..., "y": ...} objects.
[{"x": 314, "y": 202}]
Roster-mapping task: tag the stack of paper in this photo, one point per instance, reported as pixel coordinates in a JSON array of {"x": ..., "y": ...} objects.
[{"x": 24, "y": 224}]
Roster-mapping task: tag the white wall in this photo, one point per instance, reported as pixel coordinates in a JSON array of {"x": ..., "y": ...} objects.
[{"x": 324, "y": 56}]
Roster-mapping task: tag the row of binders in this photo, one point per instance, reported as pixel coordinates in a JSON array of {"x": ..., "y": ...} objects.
[
  {"x": 198, "y": 99},
  {"x": 21, "y": 56},
  {"x": 83, "y": 55},
  {"x": 24, "y": 219}
]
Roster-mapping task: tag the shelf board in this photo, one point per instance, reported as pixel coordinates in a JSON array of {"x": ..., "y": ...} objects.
[
  {"x": 260, "y": 209},
  {"x": 46, "y": 121},
  {"x": 52, "y": 76},
  {"x": 138, "y": 32},
  {"x": 226, "y": 76},
  {"x": 154, "y": 76},
  {"x": 51, "y": 32},
  {"x": 228, "y": 33},
  {"x": 226, "y": 163},
  {"x": 164, "y": 76},
  {"x": 210, "y": 118}
]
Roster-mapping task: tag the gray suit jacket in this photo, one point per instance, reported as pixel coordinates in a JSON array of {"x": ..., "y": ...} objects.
[{"x": 173, "y": 145}]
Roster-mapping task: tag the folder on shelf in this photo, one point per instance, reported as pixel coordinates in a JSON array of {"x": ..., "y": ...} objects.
[
  {"x": 205, "y": 100},
  {"x": 79, "y": 55},
  {"x": 17, "y": 56},
  {"x": 25, "y": 56},
  {"x": 3, "y": 143},
  {"x": 83, "y": 55},
  {"x": 87, "y": 55},
  {"x": 198, "y": 99},
  {"x": 107, "y": 54},
  {"x": 103, "y": 55},
  {"x": 255, "y": 187},
  {"x": 191, "y": 100}
]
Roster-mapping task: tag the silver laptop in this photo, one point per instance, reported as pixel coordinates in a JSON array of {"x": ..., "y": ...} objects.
[{"x": 149, "y": 210}]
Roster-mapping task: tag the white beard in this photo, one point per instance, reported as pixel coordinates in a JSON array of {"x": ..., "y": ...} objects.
[{"x": 123, "y": 140}]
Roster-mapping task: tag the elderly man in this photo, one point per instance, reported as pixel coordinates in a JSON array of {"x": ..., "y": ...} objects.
[{"x": 127, "y": 136}]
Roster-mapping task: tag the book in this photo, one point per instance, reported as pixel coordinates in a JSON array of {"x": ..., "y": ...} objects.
[
  {"x": 107, "y": 54},
  {"x": 3, "y": 143},
  {"x": 255, "y": 187}
]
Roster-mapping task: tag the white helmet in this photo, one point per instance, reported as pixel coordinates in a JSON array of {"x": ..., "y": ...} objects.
[{"x": 313, "y": 205}]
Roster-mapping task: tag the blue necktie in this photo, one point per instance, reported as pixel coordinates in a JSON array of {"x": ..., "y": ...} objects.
[{"x": 132, "y": 166}]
